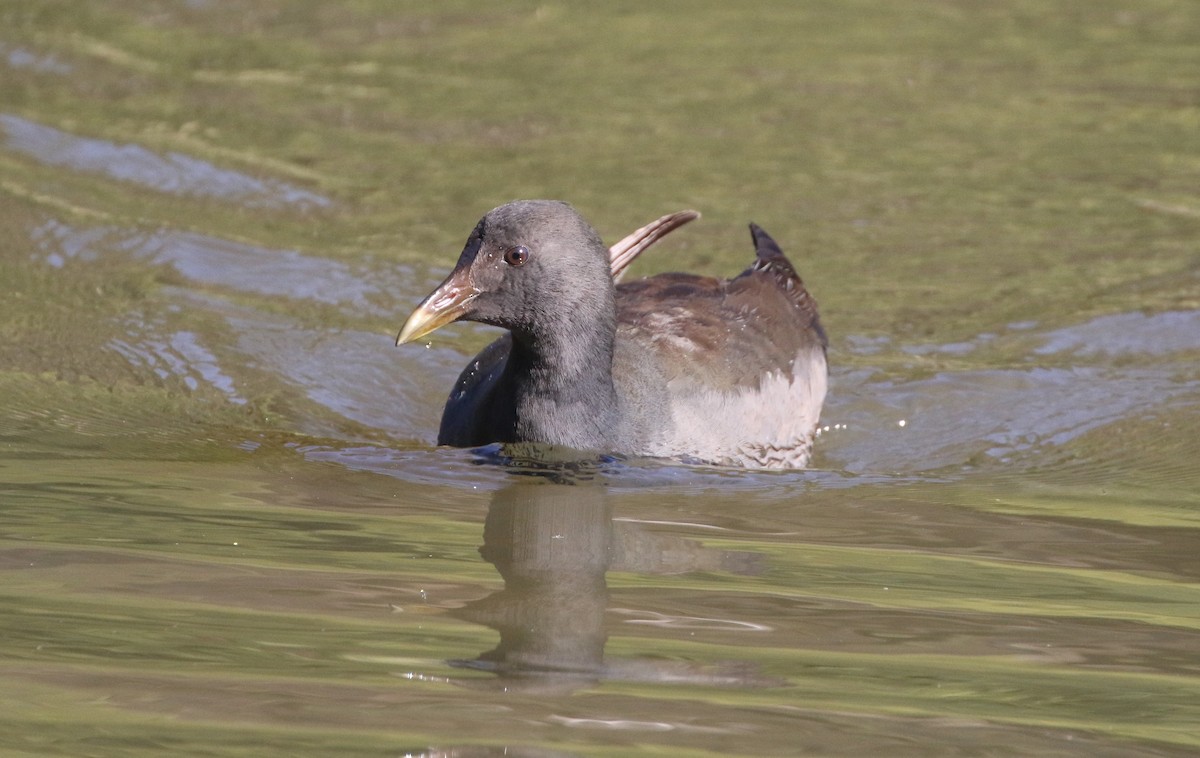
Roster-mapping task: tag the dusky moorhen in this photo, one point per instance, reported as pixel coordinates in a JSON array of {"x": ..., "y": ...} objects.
[{"x": 704, "y": 370}]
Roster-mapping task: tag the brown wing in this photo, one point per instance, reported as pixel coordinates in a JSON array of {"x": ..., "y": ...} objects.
[{"x": 724, "y": 334}]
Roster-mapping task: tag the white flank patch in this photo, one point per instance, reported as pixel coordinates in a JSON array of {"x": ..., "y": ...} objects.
[{"x": 774, "y": 423}]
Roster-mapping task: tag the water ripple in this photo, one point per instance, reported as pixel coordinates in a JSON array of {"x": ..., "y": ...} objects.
[
  {"x": 241, "y": 267},
  {"x": 174, "y": 173},
  {"x": 20, "y": 57},
  {"x": 1127, "y": 334}
]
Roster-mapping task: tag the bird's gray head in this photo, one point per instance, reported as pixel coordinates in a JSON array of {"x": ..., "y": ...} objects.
[{"x": 534, "y": 267}]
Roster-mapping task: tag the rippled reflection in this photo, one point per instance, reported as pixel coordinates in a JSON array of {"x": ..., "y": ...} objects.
[{"x": 553, "y": 542}]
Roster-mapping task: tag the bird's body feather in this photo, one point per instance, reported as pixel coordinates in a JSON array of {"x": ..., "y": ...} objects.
[{"x": 727, "y": 372}]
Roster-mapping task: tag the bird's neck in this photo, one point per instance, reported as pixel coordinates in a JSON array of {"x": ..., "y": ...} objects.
[{"x": 564, "y": 392}]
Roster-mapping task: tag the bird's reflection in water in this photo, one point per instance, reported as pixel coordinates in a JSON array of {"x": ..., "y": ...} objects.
[{"x": 550, "y": 533}]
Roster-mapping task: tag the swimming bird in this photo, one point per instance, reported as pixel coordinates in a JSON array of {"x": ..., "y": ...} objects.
[{"x": 693, "y": 368}]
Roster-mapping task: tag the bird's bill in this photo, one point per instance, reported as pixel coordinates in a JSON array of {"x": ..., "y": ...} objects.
[{"x": 446, "y": 304}]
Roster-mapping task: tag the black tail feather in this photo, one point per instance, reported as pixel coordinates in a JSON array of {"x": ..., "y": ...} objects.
[{"x": 765, "y": 248}]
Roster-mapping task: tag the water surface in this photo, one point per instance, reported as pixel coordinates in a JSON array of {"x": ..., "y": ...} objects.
[{"x": 226, "y": 529}]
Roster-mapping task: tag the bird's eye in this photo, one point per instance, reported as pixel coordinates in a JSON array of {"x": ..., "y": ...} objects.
[{"x": 516, "y": 256}]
